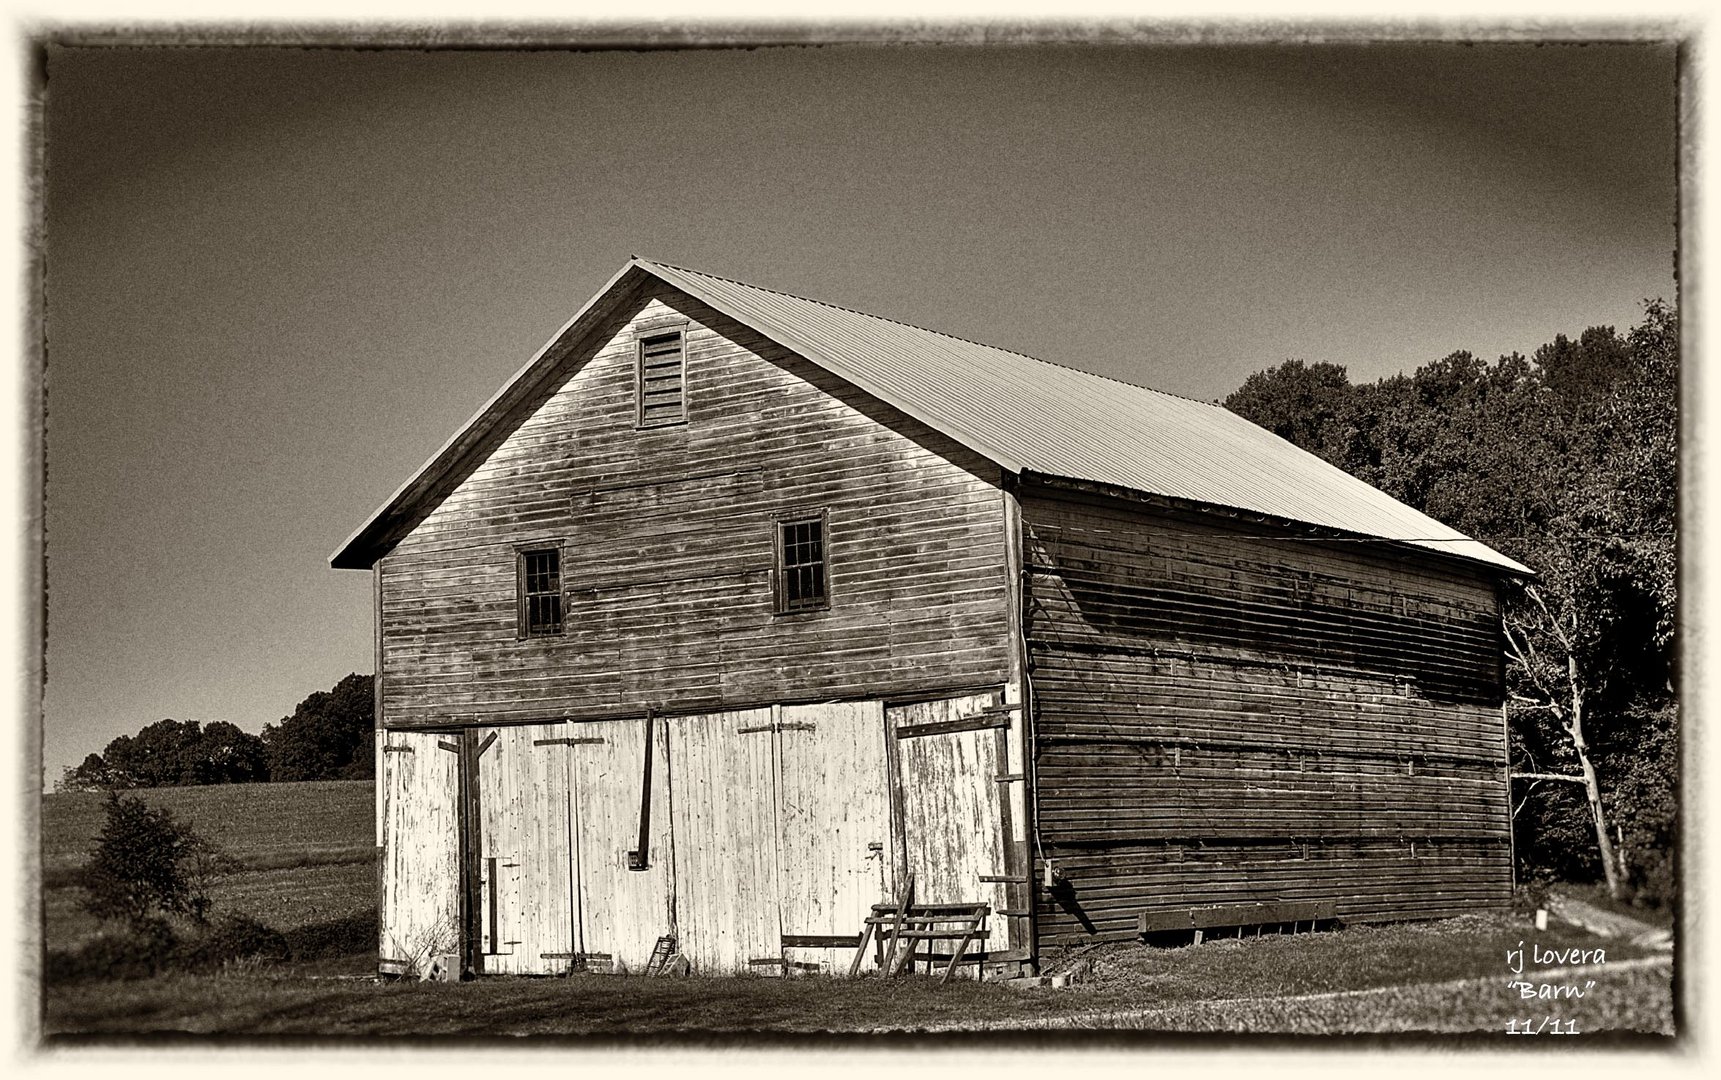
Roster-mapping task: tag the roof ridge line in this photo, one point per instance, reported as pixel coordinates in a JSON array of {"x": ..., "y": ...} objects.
[{"x": 930, "y": 330}]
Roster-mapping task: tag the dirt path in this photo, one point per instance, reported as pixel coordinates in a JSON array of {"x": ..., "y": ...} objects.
[
  {"x": 1179, "y": 1016},
  {"x": 1611, "y": 924}
]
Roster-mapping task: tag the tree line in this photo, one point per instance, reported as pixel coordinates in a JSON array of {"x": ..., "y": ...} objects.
[
  {"x": 1567, "y": 461},
  {"x": 327, "y": 737}
]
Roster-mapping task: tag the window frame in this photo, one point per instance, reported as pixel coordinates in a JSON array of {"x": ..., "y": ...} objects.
[
  {"x": 779, "y": 573},
  {"x": 642, "y": 333},
  {"x": 522, "y": 598}
]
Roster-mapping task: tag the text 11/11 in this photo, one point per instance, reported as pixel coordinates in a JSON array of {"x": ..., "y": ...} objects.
[{"x": 1547, "y": 1025}]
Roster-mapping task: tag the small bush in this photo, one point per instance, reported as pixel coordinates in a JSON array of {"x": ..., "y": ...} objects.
[
  {"x": 349, "y": 935},
  {"x": 1645, "y": 808},
  {"x": 232, "y": 939},
  {"x": 137, "y": 951},
  {"x": 151, "y": 948},
  {"x": 146, "y": 863},
  {"x": 1654, "y": 880},
  {"x": 1528, "y": 896}
]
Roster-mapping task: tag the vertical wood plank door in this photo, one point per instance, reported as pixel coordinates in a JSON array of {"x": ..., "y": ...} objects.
[
  {"x": 527, "y": 916},
  {"x": 725, "y": 827},
  {"x": 622, "y": 911},
  {"x": 953, "y": 809},
  {"x": 420, "y": 839},
  {"x": 833, "y": 825}
]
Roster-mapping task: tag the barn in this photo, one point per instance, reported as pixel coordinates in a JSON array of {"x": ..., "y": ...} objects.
[{"x": 733, "y": 613}]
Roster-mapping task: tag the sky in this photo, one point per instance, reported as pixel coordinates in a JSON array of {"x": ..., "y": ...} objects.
[{"x": 277, "y": 280}]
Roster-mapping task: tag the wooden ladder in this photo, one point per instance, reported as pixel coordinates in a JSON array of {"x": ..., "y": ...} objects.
[{"x": 660, "y": 954}]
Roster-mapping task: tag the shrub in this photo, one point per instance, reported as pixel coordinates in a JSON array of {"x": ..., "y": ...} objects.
[
  {"x": 232, "y": 939},
  {"x": 1645, "y": 807},
  {"x": 146, "y": 863},
  {"x": 1527, "y": 896},
  {"x": 136, "y": 951},
  {"x": 150, "y": 947}
]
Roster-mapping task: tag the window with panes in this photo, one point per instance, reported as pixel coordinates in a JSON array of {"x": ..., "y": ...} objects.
[
  {"x": 801, "y": 564},
  {"x": 540, "y": 592}
]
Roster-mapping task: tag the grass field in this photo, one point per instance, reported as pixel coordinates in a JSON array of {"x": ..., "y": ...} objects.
[
  {"x": 307, "y": 858},
  {"x": 306, "y": 852},
  {"x": 266, "y": 826}
]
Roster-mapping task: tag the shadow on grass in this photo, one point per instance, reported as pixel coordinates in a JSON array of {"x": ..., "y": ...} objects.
[{"x": 130, "y": 953}]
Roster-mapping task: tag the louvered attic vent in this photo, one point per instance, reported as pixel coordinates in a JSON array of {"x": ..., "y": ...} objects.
[{"x": 662, "y": 379}]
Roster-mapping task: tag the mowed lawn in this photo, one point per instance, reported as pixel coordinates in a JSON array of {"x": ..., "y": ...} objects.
[
  {"x": 1446, "y": 977},
  {"x": 308, "y": 857}
]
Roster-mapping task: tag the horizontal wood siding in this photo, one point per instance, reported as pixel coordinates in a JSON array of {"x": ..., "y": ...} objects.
[
  {"x": 1224, "y": 714},
  {"x": 668, "y": 547}
]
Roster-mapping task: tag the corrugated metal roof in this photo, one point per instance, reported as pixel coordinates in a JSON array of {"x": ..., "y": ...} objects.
[
  {"x": 1028, "y": 414},
  {"x": 1025, "y": 414}
]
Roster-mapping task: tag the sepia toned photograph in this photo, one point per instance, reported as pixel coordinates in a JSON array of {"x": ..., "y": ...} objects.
[{"x": 1144, "y": 535}]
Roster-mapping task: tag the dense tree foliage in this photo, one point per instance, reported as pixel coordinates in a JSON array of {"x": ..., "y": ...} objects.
[
  {"x": 173, "y": 753},
  {"x": 328, "y": 737},
  {"x": 1296, "y": 401},
  {"x": 1568, "y": 462}
]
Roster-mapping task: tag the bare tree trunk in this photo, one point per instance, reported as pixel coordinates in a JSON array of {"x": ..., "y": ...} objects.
[
  {"x": 1572, "y": 719},
  {"x": 1592, "y": 788}
]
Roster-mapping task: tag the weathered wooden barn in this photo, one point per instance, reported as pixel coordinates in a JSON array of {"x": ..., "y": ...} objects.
[{"x": 732, "y": 609}]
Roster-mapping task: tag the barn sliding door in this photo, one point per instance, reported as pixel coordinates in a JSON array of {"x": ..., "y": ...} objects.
[
  {"x": 624, "y": 901},
  {"x": 833, "y": 829},
  {"x": 768, "y": 840},
  {"x": 420, "y": 839},
  {"x": 725, "y": 828},
  {"x": 527, "y": 915},
  {"x": 781, "y": 831},
  {"x": 950, "y": 756}
]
